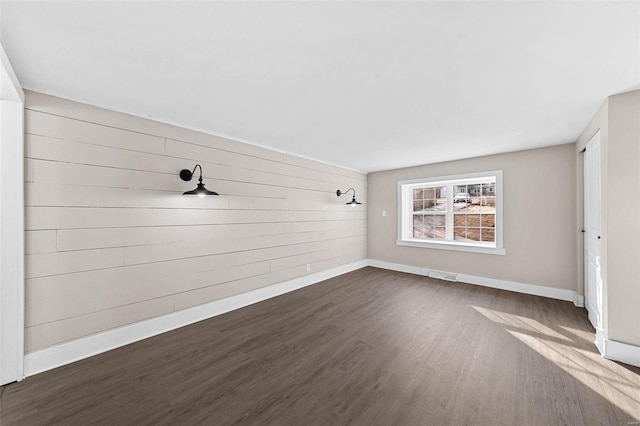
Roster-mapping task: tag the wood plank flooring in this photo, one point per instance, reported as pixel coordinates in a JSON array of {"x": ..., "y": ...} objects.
[{"x": 371, "y": 347}]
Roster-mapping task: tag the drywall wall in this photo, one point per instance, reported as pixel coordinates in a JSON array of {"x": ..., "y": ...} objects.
[
  {"x": 539, "y": 218},
  {"x": 111, "y": 241},
  {"x": 618, "y": 121},
  {"x": 623, "y": 212}
]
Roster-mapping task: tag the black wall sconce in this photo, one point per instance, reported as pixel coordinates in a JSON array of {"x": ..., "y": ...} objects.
[
  {"x": 353, "y": 201},
  {"x": 200, "y": 190}
]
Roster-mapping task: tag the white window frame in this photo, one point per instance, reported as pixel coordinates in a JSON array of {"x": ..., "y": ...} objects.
[{"x": 405, "y": 214}]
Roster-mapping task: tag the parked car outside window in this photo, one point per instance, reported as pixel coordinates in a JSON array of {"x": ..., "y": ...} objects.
[{"x": 462, "y": 197}]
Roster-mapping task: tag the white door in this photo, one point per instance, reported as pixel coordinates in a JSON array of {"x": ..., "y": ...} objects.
[{"x": 593, "y": 237}]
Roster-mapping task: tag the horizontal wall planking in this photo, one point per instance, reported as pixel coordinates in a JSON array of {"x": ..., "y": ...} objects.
[
  {"x": 39, "y": 218},
  {"x": 72, "y": 110},
  {"x": 313, "y": 258},
  {"x": 207, "y": 294},
  {"x": 62, "y": 107},
  {"x": 48, "y": 334},
  {"x": 193, "y": 152},
  {"x": 102, "y": 188},
  {"x": 327, "y": 169},
  {"x": 28, "y": 170},
  {"x": 204, "y": 249},
  {"x": 161, "y": 252},
  {"x": 60, "y": 195},
  {"x": 60, "y": 150},
  {"x": 37, "y": 123},
  {"x": 330, "y": 196},
  {"x": 44, "y": 264},
  {"x": 83, "y": 239},
  {"x": 66, "y": 195},
  {"x": 45, "y": 171},
  {"x": 211, "y": 155},
  {"x": 170, "y": 251},
  {"x": 57, "y": 297},
  {"x": 44, "y": 335},
  {"x": 175, "y": 269},
  {"x": 40, "y": 242},
  {"x": 54, "y": 303},
  {"x": 158, "y": 270}
]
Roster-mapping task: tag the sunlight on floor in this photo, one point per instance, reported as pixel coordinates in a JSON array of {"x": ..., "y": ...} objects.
[{"x": 574, "y": 352}]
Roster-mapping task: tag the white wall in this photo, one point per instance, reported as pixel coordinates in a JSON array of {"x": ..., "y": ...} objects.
[
  {"x": 618, "y": 120},
  {"x": 539, "y": 219},
  {"x": 11, "y": 224},
  {"x": 111, "y": 241}
]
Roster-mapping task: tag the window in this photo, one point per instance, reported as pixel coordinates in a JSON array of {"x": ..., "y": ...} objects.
[{"x": 461, "y": 212}]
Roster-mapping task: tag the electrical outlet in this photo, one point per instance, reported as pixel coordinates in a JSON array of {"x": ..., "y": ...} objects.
[{"x": 308, "y": 267}]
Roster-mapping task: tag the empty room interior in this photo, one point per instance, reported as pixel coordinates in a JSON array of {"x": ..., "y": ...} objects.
[{"x": 320, "y": 213}]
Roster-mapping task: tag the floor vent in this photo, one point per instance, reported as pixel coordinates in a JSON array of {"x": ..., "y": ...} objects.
[{"x": 443, "y": 276}]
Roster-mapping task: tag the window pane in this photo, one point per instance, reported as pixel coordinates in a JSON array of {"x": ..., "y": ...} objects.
[
  {"x": 418, "y": 226},
  {"x": 460, "y": 233},
  {"x": 488, "y": 204},
  {"x": 428, "y": 193},
  {"x": 488, "y": 234},
  {"x": 439, "y": 233},
  {"x": 441, "y": 192},
  {"x": 473, "y": 234},
  {"x": 459, "y": 220},
  {"x": 439, "y": 220},
  {"x": 488, "y": 220},
  {"x": 441, "y": 205},
  {"x": 429, "y": 205},
  {"x": 417, "y": 194},
  {"x": 429, "y": 224},
  {"x": 473, "y": 220}
]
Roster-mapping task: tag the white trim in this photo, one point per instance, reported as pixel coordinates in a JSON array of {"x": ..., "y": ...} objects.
[
  {"x": 12, "y": 223},
  {"x": 452, "y": 245},
  {"x": 536, "y": 290},
  {"x": 75, "y": 350},
  {"x": 623, "y": 352},
  {"x": 578, "y": 300}
]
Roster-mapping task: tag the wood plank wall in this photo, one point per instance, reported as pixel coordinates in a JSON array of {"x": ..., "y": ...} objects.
[{"x": 111, "y": 241}]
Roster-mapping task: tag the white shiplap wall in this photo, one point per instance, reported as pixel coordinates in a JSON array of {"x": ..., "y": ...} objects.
[{"x": 111, "y": 241}]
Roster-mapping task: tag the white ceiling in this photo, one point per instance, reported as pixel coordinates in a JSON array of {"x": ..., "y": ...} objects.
[{"x": 366, "y": 85}]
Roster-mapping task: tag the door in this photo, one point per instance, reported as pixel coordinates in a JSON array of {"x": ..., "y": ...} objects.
[{"x": 593, "y": 237}]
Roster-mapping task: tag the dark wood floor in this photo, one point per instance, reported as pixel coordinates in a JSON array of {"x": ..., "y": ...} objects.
[{"x": 372, "y": 347}]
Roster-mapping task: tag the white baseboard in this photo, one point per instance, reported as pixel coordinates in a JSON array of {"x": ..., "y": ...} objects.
[
  {"x": 75, "y": 350},
  {"x": 578, "y": 300},
  {"x": 619, "y": 351},
  {"x": 536, "y": 290}
]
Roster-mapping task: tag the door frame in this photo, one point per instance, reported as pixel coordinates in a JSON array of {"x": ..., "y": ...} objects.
[{"x": 12, "y": 232}]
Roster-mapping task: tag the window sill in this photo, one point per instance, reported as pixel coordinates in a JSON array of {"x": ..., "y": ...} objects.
[{"x": 448, "y": 245}]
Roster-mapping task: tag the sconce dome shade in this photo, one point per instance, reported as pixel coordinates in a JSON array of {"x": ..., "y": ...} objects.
[
  {"x": 353, "y": 202},
  {"x": 200, "y": 191}
]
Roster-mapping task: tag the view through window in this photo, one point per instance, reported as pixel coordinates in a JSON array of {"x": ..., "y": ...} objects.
[{"x": 460, "y": 211}]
